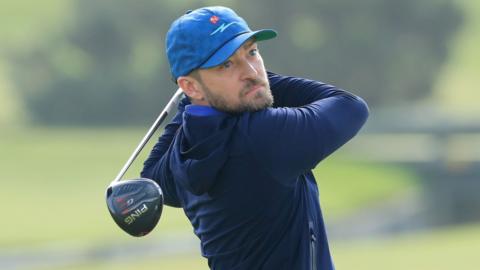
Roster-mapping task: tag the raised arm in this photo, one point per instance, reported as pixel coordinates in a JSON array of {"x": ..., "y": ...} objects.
[{"x": 321, "y": 118}]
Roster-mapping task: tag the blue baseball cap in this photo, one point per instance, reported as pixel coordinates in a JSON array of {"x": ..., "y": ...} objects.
[{"x": 207, "y": 37}]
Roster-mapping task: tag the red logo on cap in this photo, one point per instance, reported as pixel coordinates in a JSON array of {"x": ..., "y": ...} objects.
[{"x": 214, "y": 19}]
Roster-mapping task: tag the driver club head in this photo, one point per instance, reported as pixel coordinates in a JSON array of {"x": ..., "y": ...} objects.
[{"x": 135, "y": 205}]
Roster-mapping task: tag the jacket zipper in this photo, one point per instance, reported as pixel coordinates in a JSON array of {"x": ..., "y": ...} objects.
[{"x": 313, "y": 244}]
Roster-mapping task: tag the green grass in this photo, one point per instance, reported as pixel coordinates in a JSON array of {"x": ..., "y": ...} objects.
[
  {"x": 54, "y": 181},
  {"x": 445, "y": 249},
  {"x": 188, "y": 261},
  {"x": 347, "y": 185}
]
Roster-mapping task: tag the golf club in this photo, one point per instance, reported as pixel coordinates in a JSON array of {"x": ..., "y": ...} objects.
[{"x": 136, "y": 204}]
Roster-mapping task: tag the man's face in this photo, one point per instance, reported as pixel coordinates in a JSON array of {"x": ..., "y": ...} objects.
[{"x": 239, "y": 84}]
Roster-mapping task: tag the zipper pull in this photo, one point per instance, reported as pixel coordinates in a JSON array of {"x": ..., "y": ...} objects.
[
  {"x": 313, "y": 252},
  {"x": 313, "y": 238}
]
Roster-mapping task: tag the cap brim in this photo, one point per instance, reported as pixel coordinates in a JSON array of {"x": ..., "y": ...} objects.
[{"x": 227, "y": 50}]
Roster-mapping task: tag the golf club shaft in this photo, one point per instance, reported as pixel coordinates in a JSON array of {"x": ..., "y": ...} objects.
[{"x": 170, "y": 106}]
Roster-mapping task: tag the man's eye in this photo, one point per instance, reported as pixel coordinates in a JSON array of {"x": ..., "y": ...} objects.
[
  {"x": 227, "y": 64},
  {"x": 253, "y": 52}
]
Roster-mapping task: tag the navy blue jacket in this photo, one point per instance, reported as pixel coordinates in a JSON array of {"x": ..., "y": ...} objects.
[{"x": 245, "y": 180}]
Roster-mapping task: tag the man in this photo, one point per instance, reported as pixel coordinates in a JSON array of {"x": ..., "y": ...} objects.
[{"x": 238, "y": 159}]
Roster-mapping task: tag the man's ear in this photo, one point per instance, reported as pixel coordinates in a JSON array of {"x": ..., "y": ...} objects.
[{"x": 190, "y": 87}]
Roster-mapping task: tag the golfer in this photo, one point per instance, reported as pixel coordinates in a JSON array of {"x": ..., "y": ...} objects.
[{"x": 239, "y": 154}]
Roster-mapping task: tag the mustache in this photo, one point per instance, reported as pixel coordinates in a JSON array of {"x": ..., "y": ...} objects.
[{"x": 251, "y": 83}]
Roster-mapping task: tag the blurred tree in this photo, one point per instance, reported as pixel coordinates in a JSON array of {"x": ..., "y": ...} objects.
[
  {"x": 387, "y": 51},
  {"x": 110, "y": 67},
  {"x": 107, "y": 68}
]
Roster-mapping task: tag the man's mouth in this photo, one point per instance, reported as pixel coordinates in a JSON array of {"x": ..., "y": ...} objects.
[{"x": 252, "y": 89}]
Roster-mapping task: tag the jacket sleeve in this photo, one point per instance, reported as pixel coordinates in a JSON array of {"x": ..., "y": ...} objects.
[
  {"x": 152, "y": 167},
  {"x": 288, "y": 141},
  {"x": 295, "y": 92}
]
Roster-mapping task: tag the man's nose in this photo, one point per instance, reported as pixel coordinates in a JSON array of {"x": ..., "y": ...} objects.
[{"x": 249, "y": 71}]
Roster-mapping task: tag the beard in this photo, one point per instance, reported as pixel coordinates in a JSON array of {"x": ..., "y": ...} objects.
[{"x": 262, "y": 99}]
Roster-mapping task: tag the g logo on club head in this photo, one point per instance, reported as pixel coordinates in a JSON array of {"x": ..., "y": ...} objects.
[{"x": 130, "y": 201}]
